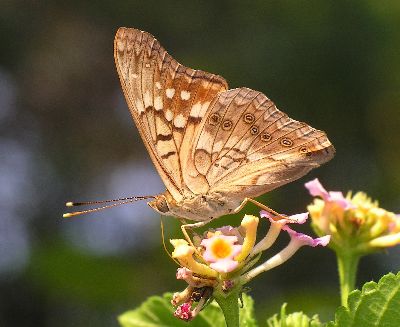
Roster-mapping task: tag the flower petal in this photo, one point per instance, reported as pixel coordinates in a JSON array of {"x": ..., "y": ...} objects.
[
  {"x": 194, "y": 281},
  {"x": 316, "y": 189},
  {"x": 385, "y": 241},
  {"x": 249, "y": 223},
  {"x": 184, "y": 254},
  {"x": 272, "y": 218},
  {"x": 183, "y": 273},
  {"x": 231, "y": 231},
  {"x": 224, "y": 265},
  {"x": 299, "y": 218},
  {"x": 340, "y": 200},
  {"x": 304, "y": 239}
]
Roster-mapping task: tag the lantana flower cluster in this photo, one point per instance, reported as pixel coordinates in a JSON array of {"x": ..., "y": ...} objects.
[
  {"x": 354, "y": 221},
  {"x": 224, "y": 259}
]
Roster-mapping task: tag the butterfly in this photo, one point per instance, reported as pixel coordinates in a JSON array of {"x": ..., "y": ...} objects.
[{"x": 213, "y": 147}]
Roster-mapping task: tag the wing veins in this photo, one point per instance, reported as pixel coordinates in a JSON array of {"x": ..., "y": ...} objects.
[
  {"x": 244, "y": 134},
  {"x": 227, "y": 155},
  {"x": 237, "y": 122},
  {"x": 280, "y": 137},
  {"x": 222, "y": 119}
]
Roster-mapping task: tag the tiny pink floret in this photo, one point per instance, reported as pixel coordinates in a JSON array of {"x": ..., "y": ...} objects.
[
  {"x": 210, "y": 256},
  {"x": 340, "y": 200},
  {"x": 316, "y": 189},
  {"x": 225, "y": 264},
  {"x": 307, "y": 240},
  {"x": 184, "y": 312},
  {"x": 299, "y": 218},
  {"x": 183, "y": 273}
]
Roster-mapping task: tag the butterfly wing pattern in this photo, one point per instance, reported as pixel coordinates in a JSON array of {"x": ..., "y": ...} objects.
[
  {"x": 160, "y": 94},
  {"x": 212, "y": 147}
]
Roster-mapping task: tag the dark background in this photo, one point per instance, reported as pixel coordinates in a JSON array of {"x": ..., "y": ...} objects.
[{"x": 66, "y": 134}]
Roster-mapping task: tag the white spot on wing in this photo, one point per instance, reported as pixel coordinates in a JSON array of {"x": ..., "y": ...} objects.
[
  {"x": 185, "y": 95},
  {"x": 147, "y": 99},
  {"x": 195, "y": 110},
  {"x": 179, "y": 121},
  {"x": 199, "y": 110},
  {"x": 139, "y": 106},
  {"x": 169, "y": 115},
  {"x": 158, "y": 105},
  {"x": 170, "y": 93},
  {"x": 135, "y": 75},
  {"x": 204, "y": 108},
  {"x": 147, "y": 65},
  {"x": 158, "y": 85}
]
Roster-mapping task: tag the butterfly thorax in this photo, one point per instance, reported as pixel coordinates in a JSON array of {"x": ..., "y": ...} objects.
[{"x": 194, "y": 207}]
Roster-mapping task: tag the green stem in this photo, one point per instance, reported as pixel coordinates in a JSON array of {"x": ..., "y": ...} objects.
[
  {"x": 229, "y": 305},
  {"x": 347, "y": 266}
]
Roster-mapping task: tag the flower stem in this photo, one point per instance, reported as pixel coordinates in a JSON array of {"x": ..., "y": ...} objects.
[
  {"x": 229, "y": 305},
  {"x": 347, "y": 266}
]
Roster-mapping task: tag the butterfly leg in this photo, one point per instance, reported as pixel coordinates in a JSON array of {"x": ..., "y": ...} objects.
[
  {"x": 191, "y": 226},
  {"x": 260, "y": 205}
]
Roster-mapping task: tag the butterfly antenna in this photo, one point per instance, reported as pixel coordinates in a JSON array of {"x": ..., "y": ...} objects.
[
  {"x": 134, "y": 198},
  {"x": 164, "y": 245},
  {"x": 117, "y": 202}
]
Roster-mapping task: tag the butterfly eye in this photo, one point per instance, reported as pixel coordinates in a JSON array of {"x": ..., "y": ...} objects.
[
  {"x": 265, "y": 137},
  {"x": 214, "y": 119},
  {"x": 161, "y": 204},
  {"x": 227, "y": 125},
  {"x": 286, "y": 142},
  {"x": 248, "y": 118},
  {"x": 254, "y": 130}
]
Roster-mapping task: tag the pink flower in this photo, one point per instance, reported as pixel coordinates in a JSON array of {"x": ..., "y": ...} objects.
[
  {"x": 184, "y": 312},
  {"x": 316, "y": 189},
  {"x": 220, "y": 251}
]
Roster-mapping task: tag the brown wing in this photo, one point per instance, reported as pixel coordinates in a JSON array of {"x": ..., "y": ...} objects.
[
  {"x": 161, "y": 95},
  {"x": 247, "y": 147}
]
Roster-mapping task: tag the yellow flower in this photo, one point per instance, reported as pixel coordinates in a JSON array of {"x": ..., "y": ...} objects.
[{"x": 353, "y": 221}]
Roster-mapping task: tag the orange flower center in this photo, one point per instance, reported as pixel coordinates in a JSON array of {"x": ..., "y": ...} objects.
[{"x": 221, "y": 249}]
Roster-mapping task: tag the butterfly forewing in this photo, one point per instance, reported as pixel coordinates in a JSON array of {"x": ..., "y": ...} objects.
[{"x": 164, "y": 98}]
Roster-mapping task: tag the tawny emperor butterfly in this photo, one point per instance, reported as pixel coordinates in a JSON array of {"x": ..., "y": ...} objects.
[{"x": 214, "y": 148}]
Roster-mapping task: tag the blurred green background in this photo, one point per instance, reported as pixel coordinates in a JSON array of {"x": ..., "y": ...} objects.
[{"x": 66, "y": 134}]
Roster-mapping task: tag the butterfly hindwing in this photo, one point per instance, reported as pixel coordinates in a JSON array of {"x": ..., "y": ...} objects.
[{"x": 248, "y": 146}]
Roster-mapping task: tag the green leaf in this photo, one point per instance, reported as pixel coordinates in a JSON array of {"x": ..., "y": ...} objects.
[
  {"x": 158, "y": 311},
  {"x": 295, "y": 319},
  {"x": 246, "y": 314},
  {"x": 377, "y": 304}
]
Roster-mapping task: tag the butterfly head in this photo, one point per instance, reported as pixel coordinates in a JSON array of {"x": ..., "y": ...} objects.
[{"x": 161, "y": 203}]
